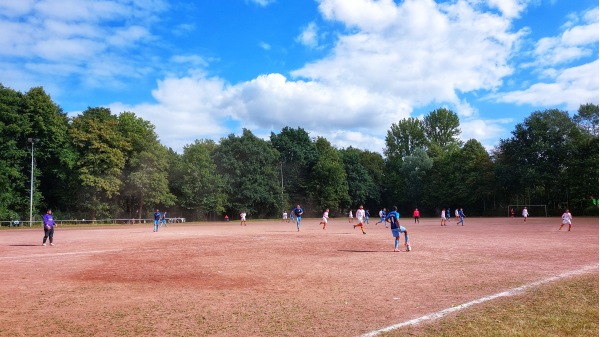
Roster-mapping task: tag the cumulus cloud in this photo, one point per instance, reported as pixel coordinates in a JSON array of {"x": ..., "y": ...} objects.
[
  {"x": 185, "y": 109},
  {"x": 309, "y": 36},
  {"x": 574, "y": 43},
  {"x": 570, "y": 87},
  {"x": 387, "y": 59},
  {"x": 77, "y": 37}
]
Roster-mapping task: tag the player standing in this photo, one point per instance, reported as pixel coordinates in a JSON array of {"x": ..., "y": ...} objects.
[
  {"x": 393, "y": 218},
  {"x": 156, "y": 220},
  {"x": 284, "y": 216},
  {"x": 49, "y": 225},
  {"x": 163, "y": 219},
  {"x": 325, "y": 217},
  {"x": 566, "y": 219},
  {"x": 443, "y": 221},
  {"x": 417, "y": 215},
  {"x": 350, "y": 217},
  {"x": 360, "y": 216},
  {"x": 525, "y": 214},
  {"x": 243, "y": 218},
  {"x": 298, "y": 211}
]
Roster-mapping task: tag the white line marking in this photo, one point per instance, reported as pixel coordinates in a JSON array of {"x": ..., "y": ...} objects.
[
  {"x": 507, "y": 293},
  {"x": 58, "y": 254}
]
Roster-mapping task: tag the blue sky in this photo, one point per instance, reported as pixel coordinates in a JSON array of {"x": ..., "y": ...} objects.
[{"x": 342, "y": 69}]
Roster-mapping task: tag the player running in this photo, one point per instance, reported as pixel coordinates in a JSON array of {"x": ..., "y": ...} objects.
[
  {"x": 325, "y": 217},
  {"x": 566, "y": 219},
  {"x": 360, "y": 216},
  {"x": 393, "y": 218},
  {"x": 382, "y": 214},
  {"x": 298, "y": 211}
]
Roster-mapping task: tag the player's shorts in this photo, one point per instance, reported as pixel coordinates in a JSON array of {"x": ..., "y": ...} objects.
[
  {"x": 285, "y": 217},
  {"x": 395, "y": 232},
  {"x": 566, "y": 222},
  {"x": 324, "y": 219},
  {"x": 156, "y": 222}
]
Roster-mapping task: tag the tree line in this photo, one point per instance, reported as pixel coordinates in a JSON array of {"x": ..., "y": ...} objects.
[{"x": 101, "y": 165}]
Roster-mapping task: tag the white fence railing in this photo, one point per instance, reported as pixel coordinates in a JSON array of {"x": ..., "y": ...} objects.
[{"x": 18, "y": 223}]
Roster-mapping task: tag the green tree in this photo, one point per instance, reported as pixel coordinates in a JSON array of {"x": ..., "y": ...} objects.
[
  {"x": 15, "y": 161},
  {"x": 362, "y": 188},
  {"x": 250, "y": 168},
  {"x": 102, "y": 157},
  {"x": 145, "y": 173},
  {"x": 298, "y": 156},
  {"x": 583, "y": 164},
  {"x": 538, "y": 155},
  {"x": 442, "y": 129},
  {"x": 474, "y": 177},
  {"x": 55, "y": 156},
  {"x": 405, "y": 137},
  {"x": 415, "y": 170},
  {"x": 202, "y": 188},
  {"x": 328, "y": 178}
]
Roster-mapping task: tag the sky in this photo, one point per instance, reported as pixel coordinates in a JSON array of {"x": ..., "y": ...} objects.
[{"x": 345, "y": 70}]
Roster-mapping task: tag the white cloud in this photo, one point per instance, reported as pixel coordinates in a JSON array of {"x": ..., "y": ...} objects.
[
  {"x": 309, "y": 36},
  {"x": 509, "y": 8},
  {"x": 262, "y": 3},
  {"x": 575, "y": 42},
  {"x": 487, "y": 131},
  {"x": 416, "y": 50},
  {"x": 570, "y": 87},
  {"x": 77, "y": 37},
  {"x": 264, "y": 45},
  {"x": 185, "y": 109}
]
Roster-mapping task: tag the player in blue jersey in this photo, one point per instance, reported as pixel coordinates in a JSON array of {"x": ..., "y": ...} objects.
[
  {"x": 298, "y": 214},
  {"x": 461, "y": 215},
  {"x": 156, "y": 220},
  {"x": 393, "y": 218}
]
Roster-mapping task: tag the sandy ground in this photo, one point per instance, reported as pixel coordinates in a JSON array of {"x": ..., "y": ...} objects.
[{"x": 268, "y": 279}]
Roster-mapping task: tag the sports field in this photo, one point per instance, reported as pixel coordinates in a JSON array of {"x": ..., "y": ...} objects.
[{"x": 267, "y": 279}]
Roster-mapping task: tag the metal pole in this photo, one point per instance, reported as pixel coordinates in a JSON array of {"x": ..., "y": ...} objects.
[{"x": 31, "y": 187}]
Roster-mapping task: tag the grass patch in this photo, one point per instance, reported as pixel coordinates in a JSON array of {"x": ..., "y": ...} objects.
[{"x": 565, "y": 308}]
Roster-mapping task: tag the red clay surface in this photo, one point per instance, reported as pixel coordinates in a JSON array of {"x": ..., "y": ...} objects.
[{"x": 267, "y": 279}]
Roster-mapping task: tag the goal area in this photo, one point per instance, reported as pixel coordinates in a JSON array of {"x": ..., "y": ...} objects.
[{"x": 533, "y": 210}]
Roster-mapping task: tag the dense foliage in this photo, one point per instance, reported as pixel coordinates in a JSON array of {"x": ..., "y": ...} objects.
[{"x": 100, "y": 165}]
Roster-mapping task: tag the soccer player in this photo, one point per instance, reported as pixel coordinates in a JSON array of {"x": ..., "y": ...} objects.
[
  {"x": 284, "y": 215},
  {"x": 325, "y": 217},
  {"x": 566, "y": 219},
  {"x": 350, "y": 217},
  {"x": 156, "y": 220},
  {"x": 443, "y": 222},
  {"x": 360, "y": 216},
  {"x": 416, "y": 215},
  {"x": 49, "y": 225},
  {"x": 382, "y": 214},
  {"x": 163, "y": 219},
  {"x": 298, "y": 211},
  {"x": 393, "y": 218},
  {"x": 525, "y": 214},
  {"x": 461, "y": 215},
  {"x": 243, "y": 217}
]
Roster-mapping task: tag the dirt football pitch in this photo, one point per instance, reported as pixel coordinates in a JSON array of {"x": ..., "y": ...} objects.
[{"x": 268, "y": 279}]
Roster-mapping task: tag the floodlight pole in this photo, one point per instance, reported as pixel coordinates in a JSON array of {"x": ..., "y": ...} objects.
[{"x": 32, "y": 141}]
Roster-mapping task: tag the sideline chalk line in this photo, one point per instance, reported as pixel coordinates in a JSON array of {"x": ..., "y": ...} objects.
[
  {"x": 510, "y": 292},
  {"x": 25, "y": 257}
]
